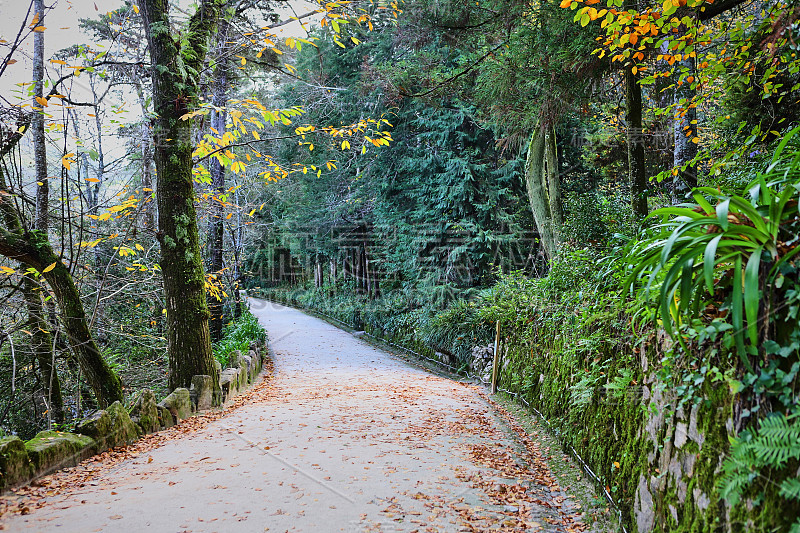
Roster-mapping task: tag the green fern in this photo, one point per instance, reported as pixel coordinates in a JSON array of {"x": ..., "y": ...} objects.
[
  {"x": 618, "y": 385},
  {"x": 790, "y": 489},
  {"x": 776, "y": 441}
]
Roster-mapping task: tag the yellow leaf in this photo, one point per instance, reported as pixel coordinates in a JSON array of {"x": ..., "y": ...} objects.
[
  {"x": 39, "y": 29},
  {"x": 42, "y": 101},
  {"x": 58, "y": 62},
  {"x": 696, "y": 140},
  {"x": 92, "y": 180},
  {"x": 251, "y": 213},
  {"x": 256, "y": 135},
  {"x": 135, "y": 8},
  {"x": 67, "y": 161},
  {"x": 7, "y": 270},
  {"x": 139, "y": 247},
  {"x": 104, "y": 216},
  {"x": 565, "y": 4},
  {"x": 616, "y": 464},
  {"x": 228, "y": 216},
  {"x": 49, "y": 268}
]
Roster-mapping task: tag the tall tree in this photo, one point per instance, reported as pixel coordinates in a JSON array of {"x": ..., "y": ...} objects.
[
  {"x": 177, "y": 61},
  {"x": 37, "y": 122},
  {"x": 219, "y": 117},
  {"x": 544, "y": 188},
  {"x": 637, "y": 177}
]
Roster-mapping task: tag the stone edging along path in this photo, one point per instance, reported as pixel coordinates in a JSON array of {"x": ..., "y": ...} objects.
[{"x": 22, "y": 462}]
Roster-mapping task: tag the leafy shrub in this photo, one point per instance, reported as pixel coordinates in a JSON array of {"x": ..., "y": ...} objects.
[
  {"x": 238, "y": 335},
  {"x": 728, "y": 257}
]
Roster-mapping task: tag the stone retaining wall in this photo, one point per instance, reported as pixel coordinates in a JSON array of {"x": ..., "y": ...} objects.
[{"x": 48, "y": 451}]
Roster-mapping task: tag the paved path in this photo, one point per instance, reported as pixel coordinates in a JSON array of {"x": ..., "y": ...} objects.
[{"x": 348, "y": 439}]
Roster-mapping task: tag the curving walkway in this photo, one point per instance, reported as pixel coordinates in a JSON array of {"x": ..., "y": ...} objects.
[{"x": 349, "y": 438}]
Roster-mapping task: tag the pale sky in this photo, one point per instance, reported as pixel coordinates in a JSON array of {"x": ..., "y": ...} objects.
[{"x": 62, "y": 31}]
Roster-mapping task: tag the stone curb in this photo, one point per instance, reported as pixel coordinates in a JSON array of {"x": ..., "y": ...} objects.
[{"x": 22, "y": 462}]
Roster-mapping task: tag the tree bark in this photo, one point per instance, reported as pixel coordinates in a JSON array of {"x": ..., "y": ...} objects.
[
  {"x": 543, "y": 185},
  {"x": 42, "y": 346},
  {"x": 637, "y": 179},
  {"x": 37, "y": 125},
  {"x": 684, "y": 131},
  {"x": 176, "y": 65},
  {"x": 217, "y": 216}
]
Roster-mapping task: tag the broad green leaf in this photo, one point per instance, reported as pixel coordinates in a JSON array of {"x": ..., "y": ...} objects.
[
  {"x": 751, "y": 294},
  {"x": 709, "y": 256}
]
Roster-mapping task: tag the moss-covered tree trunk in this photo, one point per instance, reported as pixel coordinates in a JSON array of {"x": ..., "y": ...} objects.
[
  {"x": 34, "y": 250},
  {"x": 543, "y": 184},
  {"x": 43, "y": 348},
  {"x": 176, "y": 64}
]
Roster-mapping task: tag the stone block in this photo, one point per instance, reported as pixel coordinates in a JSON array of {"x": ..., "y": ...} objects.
[
  {"x": 250, "y": 367},
  {"x": 15, "y": 466},
  {"x": 51, "y": 450},
  {"x": 179, "y": 403},
  {"x": 229, "y": 381},
  {"x": 235, "y": 359},
  {"x": 203, "y": 389},
  {"x": 256, "y": 362},
  {"x": 99, "y": 427},
  {"x": 123, "y": 429},
  {"x": 165, "y": 419},
  {"x": 146, "y": 411}
]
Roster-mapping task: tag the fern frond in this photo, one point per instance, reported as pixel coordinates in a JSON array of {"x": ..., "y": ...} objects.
[
  {"x": 790, "y": 489},
  {"x": 778, "y": 440}
]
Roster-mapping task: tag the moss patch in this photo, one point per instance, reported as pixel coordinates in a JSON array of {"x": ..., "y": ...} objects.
[
  {"x": 51, "y": 450},
  {"x": 15, "y": 466}
]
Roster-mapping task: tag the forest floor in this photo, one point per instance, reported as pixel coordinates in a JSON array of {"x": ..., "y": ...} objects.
[{"x": 342, "y": 436}]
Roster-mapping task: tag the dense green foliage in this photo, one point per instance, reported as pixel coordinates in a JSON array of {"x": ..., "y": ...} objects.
[{"x": 239, "y": 334}]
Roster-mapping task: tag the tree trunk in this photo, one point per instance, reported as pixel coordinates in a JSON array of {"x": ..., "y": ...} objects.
[
  {"x": 553, "y": 179},
  {"x": 43, "y": 347},
  {"x": 216, "y": 228},
  {"x": 543, "y": 185},
  {"x": 37, "y": 125},
  {"x": 35, "y": 251},
  {"x": 176, "y": 66},
  {"x": 147, "y": 165},
  {"x": 684, "y": 132},
  {"x": 41, "y": 340},
  {"x": 637, "y": 179}
]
